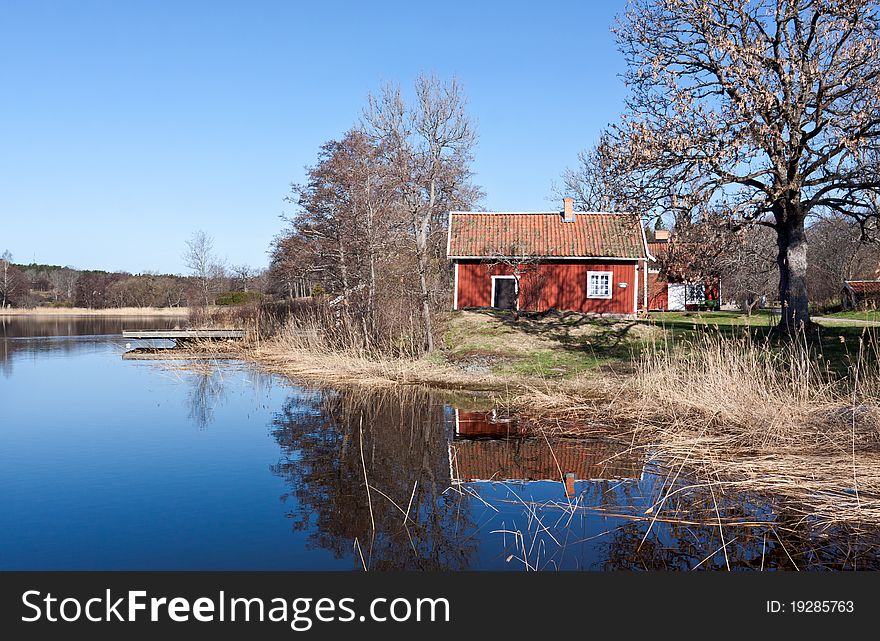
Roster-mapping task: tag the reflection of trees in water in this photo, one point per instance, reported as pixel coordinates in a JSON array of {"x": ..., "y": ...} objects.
[
  {"x": 16, "y": 347},
  {"x": 206, "y": 390},
  {"x": 41, "y": 326},
  {"x": 66, "y": 334},
  {"x": 692, "y": 538},
  {"x": 406, "y": 458},
  {"x": 6, "y": 358}
]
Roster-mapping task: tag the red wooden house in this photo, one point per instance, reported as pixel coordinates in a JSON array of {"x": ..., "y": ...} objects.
[
  {"x": 574, "y": 261},
  {"x": 677, "y": 293},
  {"x": 861, "y": 294}
]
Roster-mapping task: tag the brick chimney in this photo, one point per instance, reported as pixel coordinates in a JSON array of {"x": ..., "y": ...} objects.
[
  {"x": 569, "y": 479},
  {"x": 568, "y": 215},
  {"x": 661, "y": 235}
]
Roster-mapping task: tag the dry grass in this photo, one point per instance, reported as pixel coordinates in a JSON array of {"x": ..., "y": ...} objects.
[
  {"x": 84, "y": 311},
  {"x": 300, "y": 355},
  {"x": 306, "y": 349},
  {"x": 744, "y": 416}
]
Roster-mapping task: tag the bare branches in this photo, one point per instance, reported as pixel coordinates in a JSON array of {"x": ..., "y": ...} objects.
[
  {"x": 12, "y": 281},
  {"x": 205, "y": 267},
  {"x": 768, "y": 109},
  {"x": 428, "y": 146},
  {"x": 372, "y": 216}
]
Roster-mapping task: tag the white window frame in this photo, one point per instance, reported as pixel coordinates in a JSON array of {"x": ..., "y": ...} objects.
[
  {"x": 515, "y": 283},
  {"x": 610, "y": 275}
]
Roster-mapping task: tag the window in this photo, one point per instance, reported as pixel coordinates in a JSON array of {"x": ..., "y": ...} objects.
[
  {"x": 598, "y": 284},
  {"x": 696, "y": 293}
]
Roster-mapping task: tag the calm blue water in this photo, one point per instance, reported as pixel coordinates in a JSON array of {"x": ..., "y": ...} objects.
[{"x": 108, "y": 463}]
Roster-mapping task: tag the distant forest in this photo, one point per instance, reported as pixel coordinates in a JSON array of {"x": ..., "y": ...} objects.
[{"x": 35, "y": 285}]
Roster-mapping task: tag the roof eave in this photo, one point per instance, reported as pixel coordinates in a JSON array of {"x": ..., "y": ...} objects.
[{"x": 544, "y": 257}]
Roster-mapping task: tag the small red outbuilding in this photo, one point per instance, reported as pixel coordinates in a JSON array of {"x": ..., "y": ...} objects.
[{"x": 590, "y": 262}]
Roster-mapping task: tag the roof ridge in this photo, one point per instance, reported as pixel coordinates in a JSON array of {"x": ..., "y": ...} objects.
[{"x": 544, "y": 213}]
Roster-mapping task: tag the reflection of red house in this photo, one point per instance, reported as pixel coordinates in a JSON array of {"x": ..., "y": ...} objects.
[
  {"x": 486, "y": 425},
  {"x": 571, "y": 261},
  {"x": 489, "y": 446},
  {"x": 534, "y": 459},
  {"x": 678, "y": 294}
]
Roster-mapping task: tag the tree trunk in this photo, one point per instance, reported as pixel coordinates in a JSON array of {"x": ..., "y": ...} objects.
[
  {"x": 791, "y": 240},
  {"x": 422, "y": 231},
  {"x": 426, "y": 303}
]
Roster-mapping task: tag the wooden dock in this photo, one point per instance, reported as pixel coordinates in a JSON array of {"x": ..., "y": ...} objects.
[{"x": 184, "y": 334}]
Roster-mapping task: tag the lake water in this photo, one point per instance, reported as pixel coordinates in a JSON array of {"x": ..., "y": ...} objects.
[{"x": 108, "y": 463}]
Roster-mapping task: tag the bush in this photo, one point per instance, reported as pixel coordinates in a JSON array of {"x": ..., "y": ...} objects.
[{"x": 239, "y": 298}]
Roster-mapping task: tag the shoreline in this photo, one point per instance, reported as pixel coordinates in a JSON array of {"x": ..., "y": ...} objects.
[
  {"x": 84, "y": 311},
  {"x": 814, "y": 461}
]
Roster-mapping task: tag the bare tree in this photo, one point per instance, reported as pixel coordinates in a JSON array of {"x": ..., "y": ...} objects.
[
  {"x": 203, "y": 265},
  {"x": 345, "y": 222},
  {"x": 243, "y": 275},
  {"x": 63, "y": 283},
  {"x": 596, "y": 185},
  {"x": 12, "y": 281},
  {"x": 771, "y": 107},
  {"x": 839, "y": 252},
  {"x": 429, "y": 148},
  {"x": 749, "y": 274}
]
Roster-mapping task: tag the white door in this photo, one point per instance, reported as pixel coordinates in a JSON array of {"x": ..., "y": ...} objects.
[{"x": 676, "y": 294}]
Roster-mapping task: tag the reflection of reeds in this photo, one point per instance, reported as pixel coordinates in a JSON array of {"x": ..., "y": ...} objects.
[
  {"x": 689, "y": 524},
  {"x": 735, "y": 417}
]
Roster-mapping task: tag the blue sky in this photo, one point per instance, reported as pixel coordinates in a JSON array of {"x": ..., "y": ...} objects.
[{"x": 126, "y": 126}]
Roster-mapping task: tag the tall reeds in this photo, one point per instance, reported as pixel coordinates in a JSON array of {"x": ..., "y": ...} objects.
[{"x": 753, "y": 415}]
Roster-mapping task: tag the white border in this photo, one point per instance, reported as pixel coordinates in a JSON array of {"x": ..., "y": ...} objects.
[
  {"x": 516, "y": 284},
  {"x": 455, "y": 287},
  {"x": 635, "y": 289},
  {"x": 644, "y": 241},
  {"x": 449, "y": 236},
  {"x": 610, "y": 285}
]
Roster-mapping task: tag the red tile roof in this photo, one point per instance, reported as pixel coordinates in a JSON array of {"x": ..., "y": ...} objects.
[
  {"x": 534, "y": 460},
  {"x": 863, "y": 286},
  {"x": 658, "y": 249},
  {"x": 591, "y": 235}
]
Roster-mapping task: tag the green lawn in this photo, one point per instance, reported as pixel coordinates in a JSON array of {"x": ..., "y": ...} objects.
[
  {"x": 838, "y": 343},
  {"x": 563, "y": 345},
  {"x": 553, "y": 346},
  {"x": 760, "y": 318},
  {"x": 863, "y": 315}
]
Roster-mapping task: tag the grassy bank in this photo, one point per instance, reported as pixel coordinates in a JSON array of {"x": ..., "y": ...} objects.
[
  {"x": 84, "y": 311},
  {"x": 491, "y": 350},
  {"x": 479, "y": 351}
]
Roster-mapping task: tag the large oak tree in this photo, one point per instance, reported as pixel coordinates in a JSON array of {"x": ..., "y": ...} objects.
[{"x": 768, "y": 111}]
